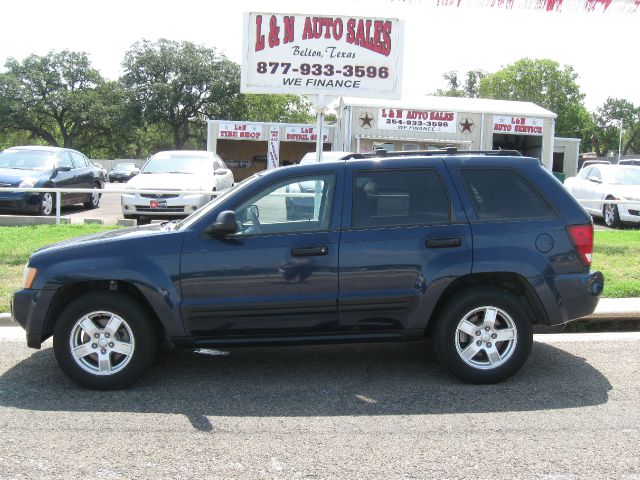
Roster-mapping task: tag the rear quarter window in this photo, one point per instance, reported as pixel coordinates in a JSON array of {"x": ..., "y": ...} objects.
[{"x": 505, "y": 194}]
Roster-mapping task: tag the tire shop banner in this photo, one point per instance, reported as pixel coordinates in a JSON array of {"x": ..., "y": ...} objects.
[
  {"x": 518, "y": 125},
  {"x": 322, "y": 55},
  {"x": 273, "y": 154},
  {"x": 240, "y": 131},
  {"x": 305, "y": 134},
  {"x": 417, "y": 120}
]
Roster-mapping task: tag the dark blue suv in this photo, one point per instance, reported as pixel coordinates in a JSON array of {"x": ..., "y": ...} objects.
[{"x": 470, "y": 249}]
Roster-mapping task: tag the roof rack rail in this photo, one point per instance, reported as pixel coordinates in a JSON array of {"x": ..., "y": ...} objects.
[{"x": 380, "y": 153}]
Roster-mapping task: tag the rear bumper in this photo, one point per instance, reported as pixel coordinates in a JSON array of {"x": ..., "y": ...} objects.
[
  {"x": 28, "y": 308},
  {"x": 569, "y": 296}
]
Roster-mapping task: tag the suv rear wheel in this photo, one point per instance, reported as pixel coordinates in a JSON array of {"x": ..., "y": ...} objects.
[
  {"x": 483, "y": 335},
  {"x": 104, "y": 340}
]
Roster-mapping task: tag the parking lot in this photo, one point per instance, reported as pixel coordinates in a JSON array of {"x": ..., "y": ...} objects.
[{"x": 353, "y": 411}]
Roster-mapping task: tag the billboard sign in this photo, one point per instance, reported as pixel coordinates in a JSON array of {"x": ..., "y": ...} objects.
[{"x": 322, "y": 55}]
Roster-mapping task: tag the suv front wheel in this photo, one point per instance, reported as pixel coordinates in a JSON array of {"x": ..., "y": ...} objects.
[
  {"x": 483, "y": 335},
  {"x": 104, "y": 340}
]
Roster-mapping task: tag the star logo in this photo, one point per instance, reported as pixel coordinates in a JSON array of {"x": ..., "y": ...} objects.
[
  {"x": 366, "y": 120},
  {"x": 467, "y": 125}
]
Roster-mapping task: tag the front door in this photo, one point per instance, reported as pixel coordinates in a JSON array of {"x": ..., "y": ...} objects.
[{"x": 277, "y": 274}]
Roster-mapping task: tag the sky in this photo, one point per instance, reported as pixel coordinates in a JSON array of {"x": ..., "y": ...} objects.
[{"x": 601, "y": 47}]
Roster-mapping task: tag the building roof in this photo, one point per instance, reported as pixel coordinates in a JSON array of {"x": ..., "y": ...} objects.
[{"x": 454, "y": 104}]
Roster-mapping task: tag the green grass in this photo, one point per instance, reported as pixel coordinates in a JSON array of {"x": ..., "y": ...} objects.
[
  {"x": 616, "y": 254},
  {"x": 18, "y": 243}
]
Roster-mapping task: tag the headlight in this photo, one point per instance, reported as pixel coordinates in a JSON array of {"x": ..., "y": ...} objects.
[
  {"x": 27, "y": 183},
  {"x": 28, "y": 276}
]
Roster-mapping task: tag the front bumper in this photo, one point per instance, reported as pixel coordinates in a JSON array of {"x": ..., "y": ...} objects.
[
  {"x": 19, "y": 201},
  {"x": 29, "y": 309},
  {"x": 162, "y": 206},
  {"x": 629, "y": 213}
]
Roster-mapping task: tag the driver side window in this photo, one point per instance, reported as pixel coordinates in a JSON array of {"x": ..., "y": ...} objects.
[{"x": 300, "y": 204}]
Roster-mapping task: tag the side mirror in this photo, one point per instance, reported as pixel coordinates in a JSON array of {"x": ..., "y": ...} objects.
[
  {"x": 62, "y": 168},
  {"x": 225, "y": 224},
  {"x": 220, "y": 171}
]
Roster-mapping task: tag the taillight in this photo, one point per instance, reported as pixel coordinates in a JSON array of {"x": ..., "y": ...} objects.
[{"x": 582, "y": 238}]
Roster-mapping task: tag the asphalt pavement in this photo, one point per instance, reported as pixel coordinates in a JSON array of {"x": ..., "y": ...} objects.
[{"x": 376, "y": 411}]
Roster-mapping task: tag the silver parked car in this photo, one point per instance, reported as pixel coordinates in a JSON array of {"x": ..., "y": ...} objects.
[
  {"x": 608, "y": 182},
  {"x": 173, "y": 171}
]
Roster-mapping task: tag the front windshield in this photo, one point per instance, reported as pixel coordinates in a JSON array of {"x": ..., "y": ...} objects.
[
  {"x": 27, "y": 160},
  {"x": 195, "y": 216},
  {"x": 624, "y": 176},
  {"x": 174, "y": 164}
]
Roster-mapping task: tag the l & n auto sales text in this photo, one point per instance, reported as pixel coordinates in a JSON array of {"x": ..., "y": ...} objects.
[{"x": 374, "y": 35}]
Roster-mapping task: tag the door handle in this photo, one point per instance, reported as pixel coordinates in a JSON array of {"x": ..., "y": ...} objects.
[
  {"x": 443, "y": 243},
  {"x": 309, "y": 251}
]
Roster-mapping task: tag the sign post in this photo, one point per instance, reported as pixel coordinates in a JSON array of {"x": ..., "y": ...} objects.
[{"x": 322, "y": 57}]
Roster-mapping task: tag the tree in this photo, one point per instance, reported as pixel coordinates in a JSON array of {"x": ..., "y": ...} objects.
[
  {"x": 274, "y": 108},
  {"x": 606, "y": 134},
  {"x": 52, "y": 97},
  {"x": 470, "y": 87},
  {"x": 178, "y": 82},
  {"x": 544, "y": 83}
]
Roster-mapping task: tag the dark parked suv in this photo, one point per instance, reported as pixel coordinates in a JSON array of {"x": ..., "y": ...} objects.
[{"x": 470, "y": 249}]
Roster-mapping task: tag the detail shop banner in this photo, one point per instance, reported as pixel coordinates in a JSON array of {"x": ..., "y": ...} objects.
[
  {"x": 322, "y": 55},
  {"x": 417, "y": 120},
  {"x": 305, "y": 134}
]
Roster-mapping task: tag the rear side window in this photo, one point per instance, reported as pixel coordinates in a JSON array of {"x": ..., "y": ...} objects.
[
  {"x": 504, "y": 194},
  {"x": 399, "y": 197}
]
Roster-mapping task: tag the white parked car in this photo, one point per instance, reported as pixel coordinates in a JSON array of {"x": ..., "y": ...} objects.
[
  {"x": 608, "y": 182},
  {"x": 171, "y": 172}
]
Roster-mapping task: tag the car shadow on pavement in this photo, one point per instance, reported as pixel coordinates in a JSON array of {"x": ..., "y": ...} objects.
[{"x": 353, "y": 380}]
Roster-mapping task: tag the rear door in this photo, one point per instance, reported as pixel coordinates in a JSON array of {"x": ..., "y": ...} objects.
[{"x": 405, "y": 238}]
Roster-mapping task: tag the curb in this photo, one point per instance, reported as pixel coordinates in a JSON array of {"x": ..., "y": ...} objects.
[{"x": 7, "y": 321}]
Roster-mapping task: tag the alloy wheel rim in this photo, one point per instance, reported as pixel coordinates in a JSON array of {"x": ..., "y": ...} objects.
[
  {"x": 47, "y": 203},
  {"x": 95, "y": 198},
  {"x": 102, "y": 343},
  {"x": 486, "y": 338},
  {"x": 608, "y": 214}
]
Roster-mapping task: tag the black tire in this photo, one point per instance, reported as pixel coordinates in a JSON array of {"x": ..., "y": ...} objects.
[
  {"x": 94, "y": 199},
  {"x": 104, "y": 362},
  {"x": 472, "y": 310},
  {"x": 611, "y": 215},
  {"x": 47, "y": 204}
]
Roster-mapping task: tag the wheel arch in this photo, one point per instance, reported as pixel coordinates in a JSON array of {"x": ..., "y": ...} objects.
[
  {"x": 69, "y": 292},
  {"x": 509, "y": 282}
]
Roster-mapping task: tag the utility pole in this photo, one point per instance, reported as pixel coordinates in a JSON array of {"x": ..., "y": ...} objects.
[{"x": 620, "y": 140}]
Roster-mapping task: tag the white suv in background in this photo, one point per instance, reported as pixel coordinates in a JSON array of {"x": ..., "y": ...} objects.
[{"x": 171, "y": 172}]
